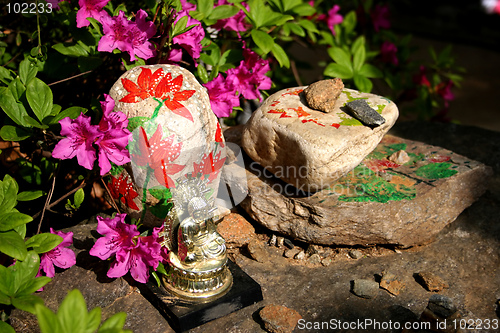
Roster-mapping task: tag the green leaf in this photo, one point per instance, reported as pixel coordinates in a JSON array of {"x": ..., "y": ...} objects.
[
  {"x": 79, "y": 196},
  {"x": 4, "y": 299},
  {"x": 362, "y": 83},
  {"x": 180, "y": 26},
  {"x": 29, "y": 195},
  {"x": 304, "y": 10},
  {"x": 8, "y": 194},
  {"x": 35, "y": 284},
  {"x": 27, "y": 302},
  {"x": 43, "y": 242},
  {"x": 160, "y": 193},
  {"x": 71, "y": 50},
  {"x": 14, "y": 133},
  {"x": 27, "y": 70},
  {"x": 6, "y": 328},
  {"x": 56, "y": 108},
  {"x": 205, "y": 6},
  {"x": 336, "y": 70},
  {"x": 17, "y": 88},
  {"x": 14, "y": 109},
  {"x": 296, "y": 29},
  {"x": 359, "y": 56},
  {"x": 21, "y": 230},
  {"x": 262, "y": 40},
  {"x": 25, "y": 271},
  {"x": 370, "y": 71},
  {"x": 9, "y": 221},
  {"x": 349, "y": 22},
  {"x": 308, "y": 25},
  {"x": 223, "y": 12},
  {"x": 202, "y": 73},
  {"x": 7, "y": 287},
  {"x": 340, "y": 56},
  {"x": 40, "y": 98},
  {"x": 72, "y": 312},
  {"x": 94, "y": 320},
  {"x": 113, "y": 322},
  {"x": 72, "y": 112},
  {"x": 47, "y": 320},
  {"x": 281, "y": 56}
]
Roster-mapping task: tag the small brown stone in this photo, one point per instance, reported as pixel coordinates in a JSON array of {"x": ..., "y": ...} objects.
[
  {"x": 400, "y": 157},
  {"x": 431, "y": 282},
  {"x": 279, "y": 319},
  {"x": 236, "y": 230},
  {"x": 314, "y": 259},
  {"x": 258, "y": 251},
  {"x": 323, "y": 94},
  {"x": 290, "y": 253},
  {"x": 390, "y": 283}
]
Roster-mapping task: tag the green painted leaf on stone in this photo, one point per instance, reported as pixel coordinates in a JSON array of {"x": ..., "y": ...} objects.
[
  {"x": 436, "y": 171},
  {"x": 135, "y": 122}
]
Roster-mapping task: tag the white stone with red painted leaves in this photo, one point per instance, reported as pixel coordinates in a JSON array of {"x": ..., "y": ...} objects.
[{"x": 175, "y": 133}]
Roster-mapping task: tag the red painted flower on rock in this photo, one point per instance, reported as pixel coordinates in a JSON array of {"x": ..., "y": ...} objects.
[
  {"x": 209, "y": 165},
  {"x": 121, "y": 189},
  {"x": 158, "y": 154},
  {"x": 161, "y": 86}
]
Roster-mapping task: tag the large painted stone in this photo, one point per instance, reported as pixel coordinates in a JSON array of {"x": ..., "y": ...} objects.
[
  {"x": 175, "y": 133},
  {"x": 378, "y": 202},
  {"x": 308, "y": 148}
]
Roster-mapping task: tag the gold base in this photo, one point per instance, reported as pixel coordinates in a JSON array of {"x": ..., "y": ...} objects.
[{"x": 194, "y": 286}]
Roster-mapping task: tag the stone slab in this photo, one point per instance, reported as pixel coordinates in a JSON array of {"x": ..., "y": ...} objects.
[
  {"x": 379, "y": 202},
  {"x": 184, "y": 316}
]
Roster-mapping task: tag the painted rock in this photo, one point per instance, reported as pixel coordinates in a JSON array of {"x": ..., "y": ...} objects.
[
  {"x": 378, "y": 202},
  {"x": 308, "y": 148},
  {"x": 175, "y": 133}
]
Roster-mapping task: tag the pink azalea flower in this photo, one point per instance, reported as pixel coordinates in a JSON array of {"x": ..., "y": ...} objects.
[
  {"x": 80, "y": 136},
  {"x": 190, "y": 40},
  {"x": 127, "y": 36},
  {"x": 444, "y": 90},
  {"x": 137, "y": 259},
  {"x": 332, "y": 18},
  {"x": 59, "y": 256},
  {"x": 249, "y": 77},
  {"x": 380, "y": 17},
  {"x": 90, "y": 8},
  {"x": 234, "y": 23},
  {"x": 55, "y": 3},
  {"x": 222, "y": 96},
  {"x": 118, "y": 236},
  {"x": 388, "y": 53},
  {"x": 421, "y": 77},
  {"x": 187, "y": 6}
]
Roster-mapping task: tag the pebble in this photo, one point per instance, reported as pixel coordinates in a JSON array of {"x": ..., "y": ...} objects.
[
  {"x": 400, "y": 157},
  {"x": 390, "y": 283},
  {"x": 280, "y": 241},
  {"x": 257, "y": 251},
  {"x": 300, "y": 256},
  {"x": 279, "y": 319},
  {"x": 288, "y": 243},
  {"x": 326, "y": 262},
  {"x": 442, "y": 305},
  {"x": 312, "y": 249},
  {"x": 365, "y": 288},
  {"x": 365, "y": 113},
  {"x": 290, "y": 253},
  {"x": 431, "y": 282},
  {"x": 355, "y": 254},
  {"x": 272, "y": 240},
  {"x": 314, "y": 259},
  {"x": 323, "y": 95},
  {"x": 236, "y": 230}
]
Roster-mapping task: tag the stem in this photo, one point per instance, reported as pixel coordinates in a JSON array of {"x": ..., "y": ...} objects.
[
  {"x": 145, "y": 193},
  {"x": 38, "y": 28},
  {"x": 157, "y": 109},
  {"x": 295, "y": 72},
  {"x": 69, "y": 78},
  {"x": 109, "y": 193},
  {"x": 47, "y": 201}
]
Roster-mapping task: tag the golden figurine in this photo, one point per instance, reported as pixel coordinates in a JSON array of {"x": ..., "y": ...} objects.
[{"x": 197, "y": 252}]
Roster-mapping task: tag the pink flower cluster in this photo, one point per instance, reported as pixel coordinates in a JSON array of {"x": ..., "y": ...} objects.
[
  {"x": 111, "y": 137},
  {"x": 119, "y": 32},
  {"x": 332, "y": 18},
  {"x": 132, "y": 252},
  {"x": 59, "y": 256},
  {"x": 235, "y": 23},
  {"x": 246, "y": 80},
  {"x": 190, "y": 41}
]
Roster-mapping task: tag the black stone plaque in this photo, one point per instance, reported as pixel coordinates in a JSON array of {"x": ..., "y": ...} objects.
[{"x": 183, "y": 315}]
